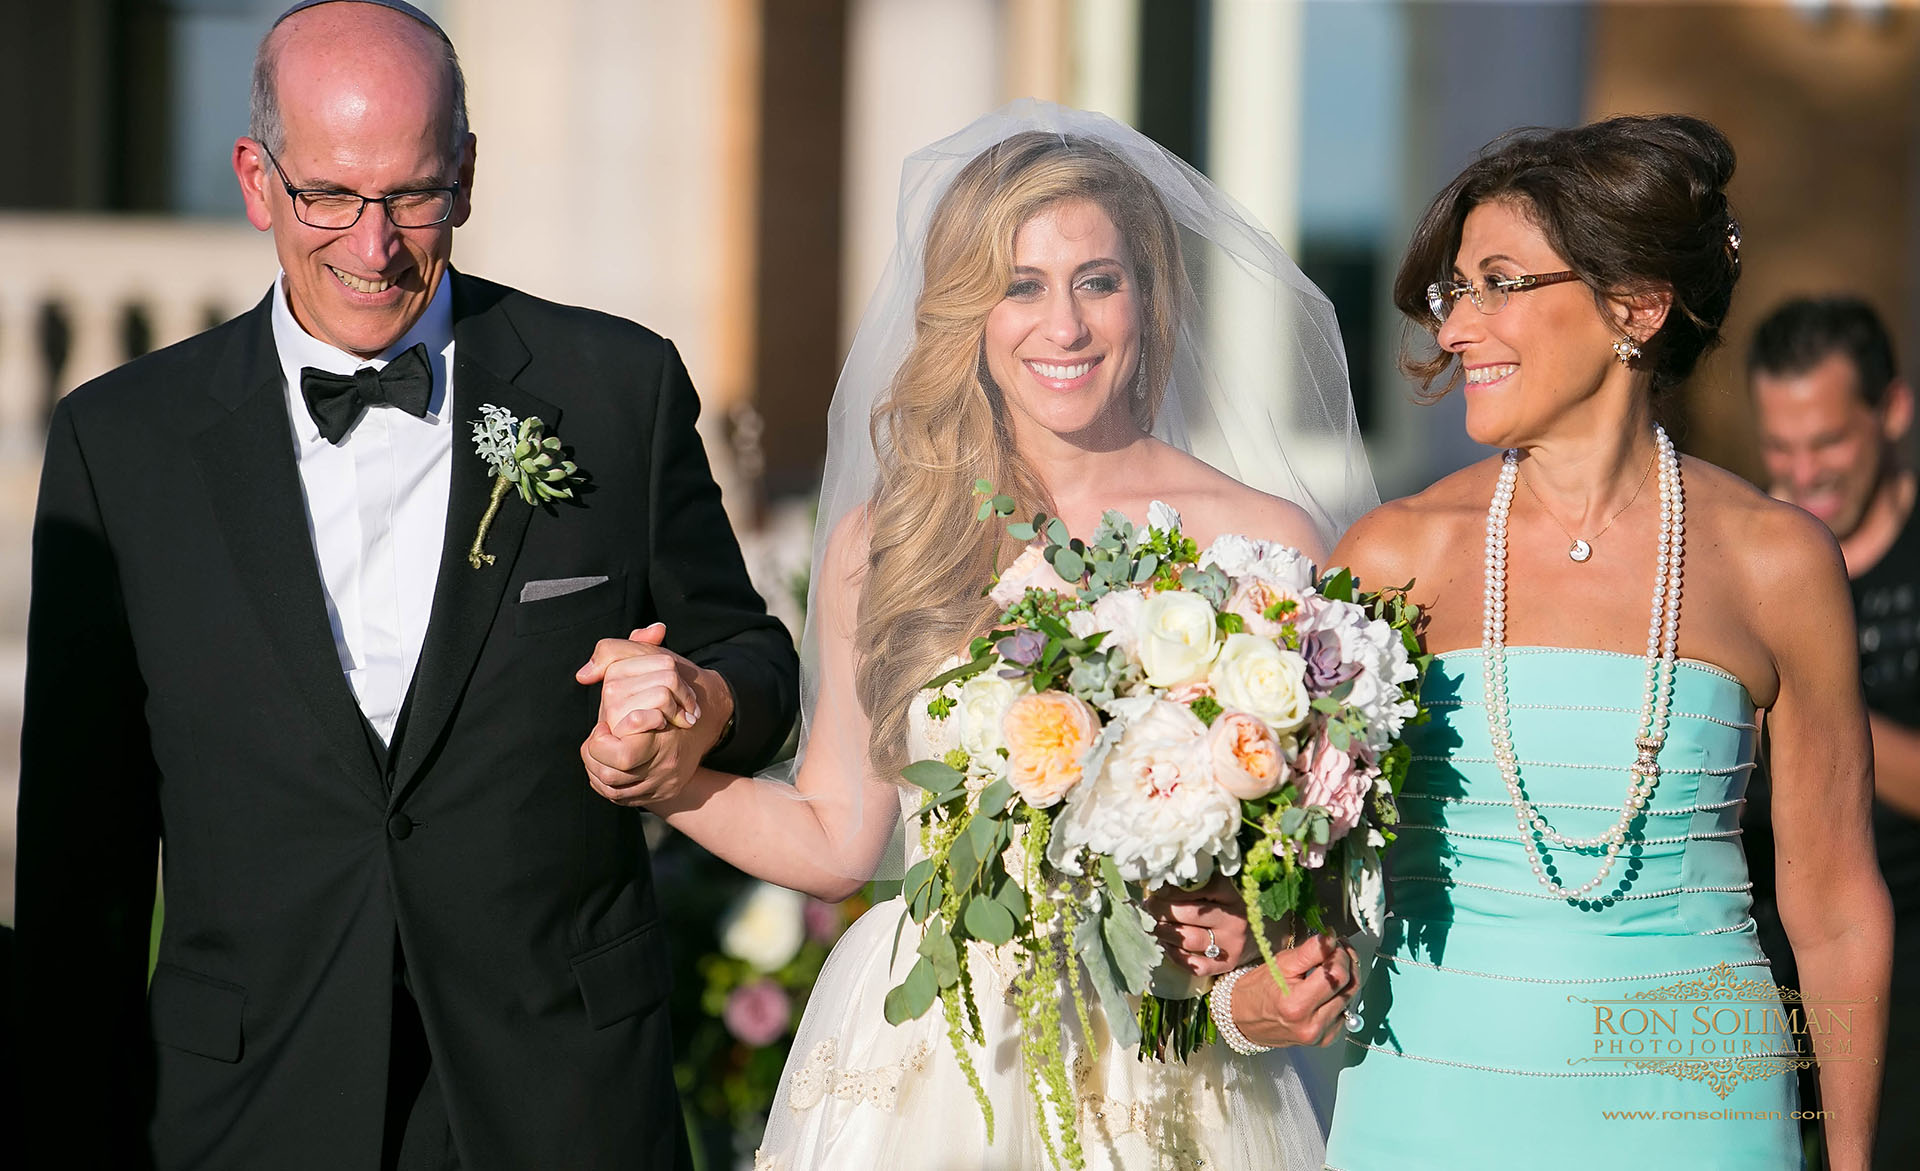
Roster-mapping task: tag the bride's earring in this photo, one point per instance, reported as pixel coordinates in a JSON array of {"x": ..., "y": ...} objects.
[
  {"x": 1139, "y": 391},
  {"x": 1627, "y": 351}
]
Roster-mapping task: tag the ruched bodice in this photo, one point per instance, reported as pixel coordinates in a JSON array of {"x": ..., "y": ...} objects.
[{"x": 1479, "y": 1028}]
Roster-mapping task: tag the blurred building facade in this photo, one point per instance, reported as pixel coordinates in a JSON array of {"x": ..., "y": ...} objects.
[{"x": 726, "y": 173}]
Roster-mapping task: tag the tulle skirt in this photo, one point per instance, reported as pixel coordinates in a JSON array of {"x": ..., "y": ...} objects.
[{"x": 860, "y": 1093}]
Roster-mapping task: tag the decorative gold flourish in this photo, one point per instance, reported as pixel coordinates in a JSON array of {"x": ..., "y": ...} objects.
[{"x": 1724, "y": 1074}]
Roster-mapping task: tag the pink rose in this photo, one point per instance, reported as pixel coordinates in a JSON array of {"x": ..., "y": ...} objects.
[
  {"x": 1246, "y": 755},
  {"x": 1188, "y": 692},
  {"x": 1332, "y": 780},
  {"x": 757, "y": 1014},
  {"x": 1251, "y": 599},
  {"x": 1028, "y": 571},
  {"x": 1047, "y": 736}
]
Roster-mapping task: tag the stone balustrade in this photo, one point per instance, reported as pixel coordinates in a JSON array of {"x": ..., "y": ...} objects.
[{"x": 82, "y": 293}]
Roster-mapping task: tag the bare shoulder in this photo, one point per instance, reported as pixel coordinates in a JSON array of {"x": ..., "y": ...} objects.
[
  {"x": 1232, "y": 506},
  {"x": 1774, "y": 546},
  {"x": 1403, "y": 540}
]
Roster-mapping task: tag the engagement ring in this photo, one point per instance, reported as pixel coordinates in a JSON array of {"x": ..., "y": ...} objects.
[{"x": 1213, "y": 951}]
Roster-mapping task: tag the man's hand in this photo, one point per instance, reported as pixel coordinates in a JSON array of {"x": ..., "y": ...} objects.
[
  {"x": 1188, "y": 921},
  {"x": 1321, "y": 975},
  {"x": 659, "y": 716}
]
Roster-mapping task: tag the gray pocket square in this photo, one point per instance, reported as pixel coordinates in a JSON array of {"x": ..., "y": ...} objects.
[{"x": 557, "y": 587}]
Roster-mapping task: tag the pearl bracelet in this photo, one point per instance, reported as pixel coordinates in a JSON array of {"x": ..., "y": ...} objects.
[{"x": 1220, "y": 1005}]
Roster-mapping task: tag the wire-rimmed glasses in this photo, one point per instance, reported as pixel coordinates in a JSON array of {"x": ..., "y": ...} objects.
[
  {"x": 337, "y": 209},
  {"x": 1490, "y": 294}
]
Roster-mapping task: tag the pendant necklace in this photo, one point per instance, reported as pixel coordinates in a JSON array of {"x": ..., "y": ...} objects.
[{"x": 1582, "y": 549}]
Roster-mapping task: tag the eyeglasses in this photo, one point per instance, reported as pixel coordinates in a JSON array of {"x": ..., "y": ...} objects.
[
  {"x": 322, "y": 207},
  {"x": 1489, "y": 295}
]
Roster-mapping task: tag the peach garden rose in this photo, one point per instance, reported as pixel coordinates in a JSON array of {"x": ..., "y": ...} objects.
[
  {"x": 1047, "y": 737},
  {"x": 1247, "y": 760}
]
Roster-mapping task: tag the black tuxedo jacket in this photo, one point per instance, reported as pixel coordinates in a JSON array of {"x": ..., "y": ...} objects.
[{"x": 183, "y": 688}]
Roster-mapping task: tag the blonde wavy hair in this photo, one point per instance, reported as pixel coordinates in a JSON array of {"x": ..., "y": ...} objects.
[{"x": 943, "y": 423}]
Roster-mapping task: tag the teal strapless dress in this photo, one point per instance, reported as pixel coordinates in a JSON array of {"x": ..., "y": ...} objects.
[{"x": 1482, "y": 1044}]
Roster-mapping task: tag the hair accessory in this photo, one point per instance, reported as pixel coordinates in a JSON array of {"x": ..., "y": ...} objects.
[
  {"x": 1627, "y": 350},
  {"x": 1733, "y": 242}
]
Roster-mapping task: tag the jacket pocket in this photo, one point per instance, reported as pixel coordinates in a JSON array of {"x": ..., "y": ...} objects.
[
  {"x": 197, "y": 1013},
  {"x": 624, "y": 978},
  {"x": 570, "y": 609}
]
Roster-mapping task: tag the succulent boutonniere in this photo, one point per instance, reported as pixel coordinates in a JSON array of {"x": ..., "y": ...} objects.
[{"x": 517, "y": 455}]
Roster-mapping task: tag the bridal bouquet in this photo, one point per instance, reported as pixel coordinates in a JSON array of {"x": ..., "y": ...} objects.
[{"x": 1146, "y": 713}]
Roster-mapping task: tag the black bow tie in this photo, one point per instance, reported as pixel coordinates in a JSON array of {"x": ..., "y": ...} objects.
[{"x": 336, "y": 400}]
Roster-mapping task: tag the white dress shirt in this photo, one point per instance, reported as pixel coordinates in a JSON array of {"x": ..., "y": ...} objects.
[{"x": 376, "y": 505}]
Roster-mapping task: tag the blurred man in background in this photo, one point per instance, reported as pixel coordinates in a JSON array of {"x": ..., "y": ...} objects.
[{"x": 1833, "y": 415}]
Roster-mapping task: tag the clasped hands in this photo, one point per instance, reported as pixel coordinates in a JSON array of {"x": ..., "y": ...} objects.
[
  {"x": 1321, "y": 973},
  {"x": 659, "y": 716}
]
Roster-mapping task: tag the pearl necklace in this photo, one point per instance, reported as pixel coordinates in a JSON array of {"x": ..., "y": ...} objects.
[{"x": 1663, "y": 635}]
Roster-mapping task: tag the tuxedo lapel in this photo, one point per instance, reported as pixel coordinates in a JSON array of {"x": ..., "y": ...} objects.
[
  {"x": 488, "y": 353},
  {"x": 247, "y": 462}
]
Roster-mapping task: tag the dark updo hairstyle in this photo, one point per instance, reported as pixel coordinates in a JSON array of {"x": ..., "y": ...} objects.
[{"x": 1636, "y": 205}]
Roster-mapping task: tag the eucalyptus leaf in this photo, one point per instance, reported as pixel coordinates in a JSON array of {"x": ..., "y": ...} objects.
[
  {"x": 1146, "y": 567},
  {"x": 987, "y": 838},
  {"x": 1014, "y": 900},
  {"x": 1130, "y": 942},
  {"x": 963, "y": 863},
  {"x": 982, "y": 488},
  {"x": 1090, "y": 941},
  {"x": 915, "y": 996},
  {"x": 1068, "y": 564},
  {"x": 1021, "y": 531},
  {"x": 985, "y": 510},
  {"x": 932, "y": 775},
  {"x": 994, "y": 798},
  {"x": 1291, "y": 820},
  {"x": 938, "y": 947},
  {"x": 1339, "y": 735},
  {"x": 1057, "y": 531},
  {"x": 1003, "y": 505},
  {"x": 989, "y": 922},
  {"x": 937, "y": 800},
  {"x": 981, "y": 661}
]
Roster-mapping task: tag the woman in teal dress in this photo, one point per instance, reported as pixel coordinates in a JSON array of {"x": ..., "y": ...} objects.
[{"x": 1569, "y": 976}]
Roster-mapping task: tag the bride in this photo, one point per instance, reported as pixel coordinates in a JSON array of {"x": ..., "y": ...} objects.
[{"x": 1082, "y": 321}]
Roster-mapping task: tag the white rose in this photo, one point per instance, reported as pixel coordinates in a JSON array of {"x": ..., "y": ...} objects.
[
  {"x": 1163, "y": 516},
  {"x": 1118, "y": 613},
  {"x": 1253, "y": 675},
  {"x": 984, "y": 700},
  {"x": 1030, "y": 570},
  {"x": 765, "y": 926},
  {"x": 1178, "y": 638}
]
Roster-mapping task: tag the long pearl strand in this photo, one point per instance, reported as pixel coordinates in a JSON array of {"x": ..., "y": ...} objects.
[{"x": 1663, "y": 636}]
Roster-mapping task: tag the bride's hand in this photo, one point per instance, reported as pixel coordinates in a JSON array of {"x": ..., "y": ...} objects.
[
  {"x": 1188, "y": 922},
  {"x": 651, "y": 733},
  {"x": 1322, "y": 976}
]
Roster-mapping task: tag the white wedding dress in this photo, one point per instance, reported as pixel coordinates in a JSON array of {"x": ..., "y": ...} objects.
[{"x": 859, "y": 1093}]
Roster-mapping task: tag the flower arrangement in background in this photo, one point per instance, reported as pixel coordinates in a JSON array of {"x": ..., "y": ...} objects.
[{"x": 757, "y": 950}]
